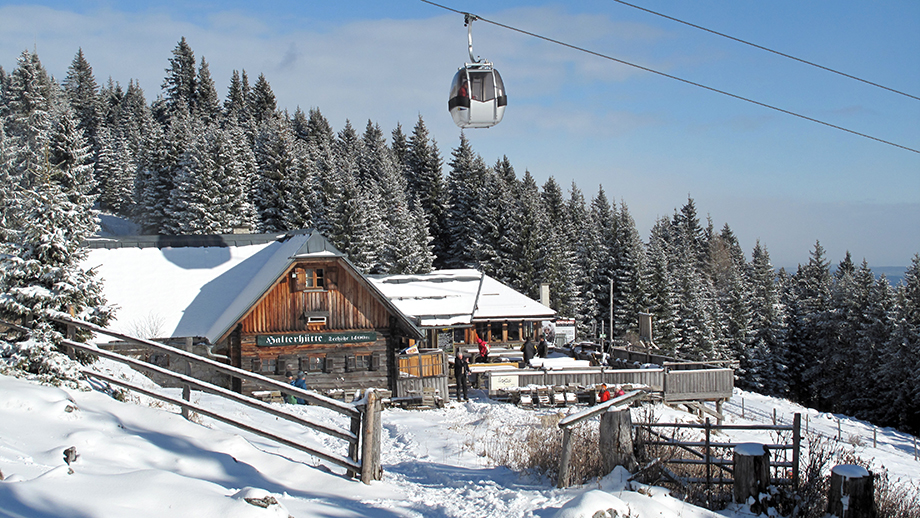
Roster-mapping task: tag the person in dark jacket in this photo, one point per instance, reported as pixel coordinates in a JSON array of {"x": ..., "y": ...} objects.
[
  {"x": 461, "y": 371},
  {"x": 542, "y": 348},
  {"x": 529, "y": 352}
]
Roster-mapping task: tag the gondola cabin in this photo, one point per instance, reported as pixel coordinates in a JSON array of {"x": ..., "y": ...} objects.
[{"x": 477, "y": 96}]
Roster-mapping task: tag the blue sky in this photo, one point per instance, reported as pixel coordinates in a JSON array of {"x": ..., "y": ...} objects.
[{"x": 648, "y": 140}]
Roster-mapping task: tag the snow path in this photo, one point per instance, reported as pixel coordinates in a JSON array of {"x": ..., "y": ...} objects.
[{"x": 443, "y": 473}]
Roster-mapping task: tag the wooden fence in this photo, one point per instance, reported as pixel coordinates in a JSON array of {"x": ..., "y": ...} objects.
[
  {"x": 422, "y": 373},
  {"x": 362, "y": 438},
  {"x": 673, "y": 385},
  {"x": 715, "y": 455},
  {"x": 568, "y": 422}
]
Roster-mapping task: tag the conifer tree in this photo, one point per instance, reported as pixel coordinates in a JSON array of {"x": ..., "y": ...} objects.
[
  {"x": 561, "y": 272},
  {"x": 29, "y": 121},
  {"x": 83, "y": 94},
  {"x": 464, "y": 186},
  {"x": 586, "y": 245},
  {"x": 181, "y": 83},
  {"x": 207, "y": 102},
  {"x": 767, "y": 371},
  {"x": 427, "y": 185},
  {"x": 40, "y": 274},
  {"x": 276, "y": 160},
  {"x": 262, "y": 100},
  {"x": 808, "y": 325},
  {"x": 322, "y": 165},
  {"x": 629, "y": 264}
]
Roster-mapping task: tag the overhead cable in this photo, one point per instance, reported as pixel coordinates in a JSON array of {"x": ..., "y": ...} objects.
[
  {"x": 761, "y": 47},
  {"x": 686, "y": 81}
]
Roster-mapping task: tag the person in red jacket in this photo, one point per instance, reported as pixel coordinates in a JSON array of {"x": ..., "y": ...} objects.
[
  {"x": 604, "y": 394},
  {"x": 483, "y": 350}
]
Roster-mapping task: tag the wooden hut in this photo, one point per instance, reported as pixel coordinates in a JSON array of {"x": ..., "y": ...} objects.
[{"x": 293, "y": 303}]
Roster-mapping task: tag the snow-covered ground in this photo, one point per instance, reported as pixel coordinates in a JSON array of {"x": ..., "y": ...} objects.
[{"x": 142, "y": 459}]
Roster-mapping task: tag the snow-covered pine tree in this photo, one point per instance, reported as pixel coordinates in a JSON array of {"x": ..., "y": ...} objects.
[
  {"x": 181, "y": 82},
  {"x": 262, "y": 100},
  {"x": 82, "y": 92},
  {"x": 586, "y": 245},
  {"x": 276, "y": 160},
  {"x": 28, "y": 121},
  {"x": 604, "y": 221},
  {"x": 40, "y": 274},
  {"x": 662, "y": 291},
  {"x": 400, "y": 237},
  {"x": 464, "y": 187},
  {"x": 321, "y": 162},
  {"x": 768, "y": 366},
  {"x": 809, "y": 325},
  {"x": 560, "y": 270},
  {"x": 207, "y": 102},
  {"x": 629, "y": 263},
  {"x": 873, "y": 329},
  {"x": 427, "y": 185}
]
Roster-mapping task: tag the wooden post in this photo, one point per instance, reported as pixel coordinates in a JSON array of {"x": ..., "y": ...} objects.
[
  {"x": 186, "y": 388},
  {"x": 616, "y": 440},
  {"x": 708, "y": 464},
  {"x": 566, "y": 458},
  {"x": 796, "y": 447},
  {"x": 353, "y": 447},
  {"x": 370, "y": 439},
  {"x": 851, "y": 493},
  {"x": 752, "y": 471}
]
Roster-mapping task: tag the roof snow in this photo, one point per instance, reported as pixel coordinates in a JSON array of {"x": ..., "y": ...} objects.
[{"x": 445, "y": 298}]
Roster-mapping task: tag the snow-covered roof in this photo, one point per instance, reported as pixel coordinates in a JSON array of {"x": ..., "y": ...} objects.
[
  {"x": 445, "y": 298},
  {"x": 199, "y": 286}
]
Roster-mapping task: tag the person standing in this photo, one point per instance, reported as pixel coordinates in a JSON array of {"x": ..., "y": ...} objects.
[
  {"x": 461, "y": 371},
  {"x": 542, "y": 348},
  {"x": 529, "y": 352}
]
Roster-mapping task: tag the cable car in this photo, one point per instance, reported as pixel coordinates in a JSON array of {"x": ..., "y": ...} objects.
[{"x": 477, "y": 94}]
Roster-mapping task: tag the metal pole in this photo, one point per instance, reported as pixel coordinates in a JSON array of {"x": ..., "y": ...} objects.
[{"x": 611, "y": 310}]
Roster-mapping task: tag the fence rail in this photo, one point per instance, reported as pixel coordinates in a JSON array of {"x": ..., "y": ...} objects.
[{"x": 362, "y": 437}]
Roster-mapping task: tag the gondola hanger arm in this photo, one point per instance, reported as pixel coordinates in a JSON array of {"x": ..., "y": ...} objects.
[{"x": 468, "y": 19}]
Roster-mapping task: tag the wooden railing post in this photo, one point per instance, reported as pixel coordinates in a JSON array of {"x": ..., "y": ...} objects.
[
  {"x": 353, "y": 446},
  {"x": 186, "y": 388},
  {"x": 796, "y": 446},
  {"x": 370, "y": 439},
  {"x": 566, "y": 458}
]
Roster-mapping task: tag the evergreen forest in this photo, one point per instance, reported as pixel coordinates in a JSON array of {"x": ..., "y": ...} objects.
[{"x": 830, "y": 335}]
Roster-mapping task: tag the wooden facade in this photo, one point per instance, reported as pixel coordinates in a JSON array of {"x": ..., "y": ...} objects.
[{"x": 334, "y": 328}]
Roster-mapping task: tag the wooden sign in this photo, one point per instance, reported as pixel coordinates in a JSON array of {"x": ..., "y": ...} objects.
[{"x": 316, "y": 338}]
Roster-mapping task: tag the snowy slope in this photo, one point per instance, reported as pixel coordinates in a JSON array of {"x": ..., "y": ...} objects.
[{"x": 142, "y": 459}]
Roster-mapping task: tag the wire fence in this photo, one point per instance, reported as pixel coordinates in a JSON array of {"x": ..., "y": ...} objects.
[{"x": 853, "y": 436}]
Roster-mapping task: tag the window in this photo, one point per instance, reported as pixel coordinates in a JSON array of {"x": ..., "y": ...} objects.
[
  {"x": 362, "y": 362},
  {"x": 269, "y": 366},
  {"x": 314, "y": 364},
  {"x": 307, "y": 279},
  {"x": 314, "y": 279}
]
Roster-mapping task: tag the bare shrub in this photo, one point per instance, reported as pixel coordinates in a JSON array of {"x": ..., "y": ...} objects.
[
  {"x": 148, "y": 327},
  {"x": 538, "y": 449}
]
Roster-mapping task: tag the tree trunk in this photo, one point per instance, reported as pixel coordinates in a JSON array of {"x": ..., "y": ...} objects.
[
  {"x": 852, "y": 492},
  {"x": 752, "y": 471},
  {"x": 616, "y": 440}
]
